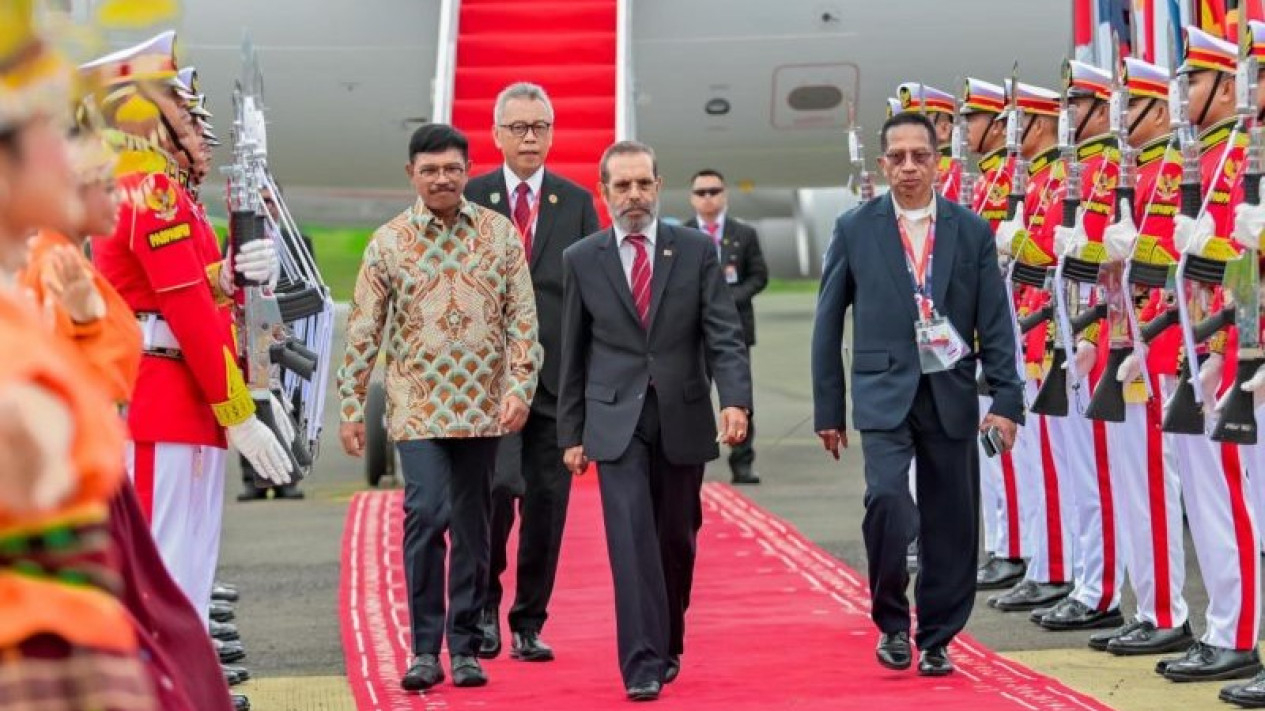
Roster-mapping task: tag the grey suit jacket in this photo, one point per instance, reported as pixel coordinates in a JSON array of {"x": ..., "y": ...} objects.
[
  {"x": 865, "y": 270},
  {"x": 609, "y": 360},
  {"x": 566, "y": 216}
]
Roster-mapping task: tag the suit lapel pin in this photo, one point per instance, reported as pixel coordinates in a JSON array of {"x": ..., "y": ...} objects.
[
  {"x": 667, "y": 253},
  {"x": 495, "y": 198},
  {"x": 553, "y": 199}
]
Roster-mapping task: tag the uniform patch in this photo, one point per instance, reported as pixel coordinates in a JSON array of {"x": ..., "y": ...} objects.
[
  {"x": 169, "y": 235},
  {"x": 161, "y": 199}
]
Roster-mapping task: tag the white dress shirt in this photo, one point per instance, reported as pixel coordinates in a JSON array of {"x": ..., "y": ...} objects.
[
  {"x": 627, "y": 252},
  {"x": 917, "y": 224}
]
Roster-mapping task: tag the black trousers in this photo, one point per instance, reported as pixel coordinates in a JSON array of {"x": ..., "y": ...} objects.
[
  {"x": 945, "y": 521},
  {"x": 652, "y": 513},
  {"x": 532, "y": 481},
  {"x": 446, "y": 490}
]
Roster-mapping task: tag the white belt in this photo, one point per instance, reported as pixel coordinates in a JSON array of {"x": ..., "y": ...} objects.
[{"x": 156, "y": 334}]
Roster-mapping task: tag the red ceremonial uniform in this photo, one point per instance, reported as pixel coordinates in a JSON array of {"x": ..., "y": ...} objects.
[
  {"x": 158, "y": 259},
  {"x": 1158, "y": 202},
  {"x": 1043, "y": 209},
  {"x": 992, "y": 189},
  {"x": 949, "y": 175}
]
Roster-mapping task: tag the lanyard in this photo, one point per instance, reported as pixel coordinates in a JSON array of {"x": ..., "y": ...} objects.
[{"x": 920, "y": 269}]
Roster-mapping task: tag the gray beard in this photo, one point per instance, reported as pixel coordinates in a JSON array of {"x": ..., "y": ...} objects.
[{"x": 633, "y": 225}]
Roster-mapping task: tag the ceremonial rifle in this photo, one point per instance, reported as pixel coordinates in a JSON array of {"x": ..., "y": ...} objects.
[
  {"x": 857, "y": 151},
  {"x": 1237, "y": 421},
  {"x": 261, "y": 327}
]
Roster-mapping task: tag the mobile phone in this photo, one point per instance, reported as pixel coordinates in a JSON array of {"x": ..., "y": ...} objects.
[{"x": 991, "y": 440}]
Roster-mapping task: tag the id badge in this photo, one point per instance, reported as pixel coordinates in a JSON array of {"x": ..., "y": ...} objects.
[
  {"x": 939, "y": 345},
  {"x": 731, "y": 274}
]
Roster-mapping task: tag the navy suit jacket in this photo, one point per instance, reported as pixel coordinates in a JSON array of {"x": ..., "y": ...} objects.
[{"x": 865, "y": 270}]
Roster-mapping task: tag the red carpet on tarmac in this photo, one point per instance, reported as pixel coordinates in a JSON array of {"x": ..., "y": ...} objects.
[{"x": 775, "y": 623}]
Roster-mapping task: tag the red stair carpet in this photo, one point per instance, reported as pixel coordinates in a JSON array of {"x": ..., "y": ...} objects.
[
  {"x": 776, "y": 623},
  {"x": 566, "y": 46}
]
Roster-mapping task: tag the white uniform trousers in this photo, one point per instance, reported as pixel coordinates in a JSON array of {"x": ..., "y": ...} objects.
[
  {"x": 1256, "y": 475},
  {"x": 1080, "y": 445},
  {"x": 1149, "y": 514},
  {"x": 1003, "y": 485},
  {"x": 181, "y": 490},
  {"x": 1051, "y": 507},
  {"x": 1223, "y": 529}
]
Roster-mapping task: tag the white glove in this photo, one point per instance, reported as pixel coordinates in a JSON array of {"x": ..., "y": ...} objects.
[
  {"x": 257, "y": 261},
  {"x": 1256, "y": 386},
  {"x": 1190, "y": 236},
  {"x": 261, "y": 448},
  {"x": 1120, "y": 236},
  {"x": 1007, "y": 229},
  {"x": 1210, "y": 380},
  {"x": 1086, "y": 356},
  {"x": 1131, "y": 367},
  {"x": 281, "y": 415},
  {"x": 1249, "y": 222},
  {"x": 1069, "y": 240}
]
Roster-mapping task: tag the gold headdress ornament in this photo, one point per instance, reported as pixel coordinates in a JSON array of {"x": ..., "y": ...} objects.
[{"x": 34, "y": 79}]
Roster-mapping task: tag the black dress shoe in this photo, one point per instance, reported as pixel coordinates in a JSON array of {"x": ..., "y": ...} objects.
[
  {"x": 224, "y": 593},
  {"x": 647, "y": 691},
  {"x": 423, "y": 673},
  {"x": 935, "y": 662},
  {"x": 1209, "y": 663},
  {"x": 673, "y": 669},
  {"x": 528, "y": 647},
  {"x": 235, "y": 675},
  {"x": 490, "y": 626},
  {"x": 1029, "y": 595},
  {"x": 1249, "y": 696},
  {"x": 1099, "y": 641},
  {"x": 466, "y": 671},
  {"x": 251, "y": 493},
  {"x": 222, "y": 612},
  {"x": 224, "y": 631},
  {"x": 1149, "y": 639},
  {"x": 744, "y": 475},
  {"x": 288, "y": 491},
  {"x": 229, "y": 652},
  {"x": 1035, "y": 616},
  {"x": 893, "y": 651},
  {"x": 240, "y": 703},
  {"x": 1191, "y": 652},
  {"x": 1000, "y": 573},
  {"x": 1075, "y": 615}
]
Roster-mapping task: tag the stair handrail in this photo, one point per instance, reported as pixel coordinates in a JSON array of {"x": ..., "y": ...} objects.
[
  {"x": 625, "y": 113},
  {"x": 445, "y": 61}
]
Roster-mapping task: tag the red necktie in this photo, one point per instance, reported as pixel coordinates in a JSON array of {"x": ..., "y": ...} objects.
[
  {"x": 711, "y": 228},
  {"x": 522, "y": 215},
  {"x": 640, "y": 278}
]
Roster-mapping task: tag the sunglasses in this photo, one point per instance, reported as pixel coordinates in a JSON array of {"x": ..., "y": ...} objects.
[{"x": 707, "y": 192}]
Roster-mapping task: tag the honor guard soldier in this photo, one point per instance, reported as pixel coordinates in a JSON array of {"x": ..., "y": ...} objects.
[
  {"x": 1028, "y": 238},
  {"x": 1148, "y": 491},
  {"x": 1212, "y": 477},
  {"x": 1080, "y": 444},
  {"x": 190, "y": 399},
  {"x": 940, "y": 107},
  {"x": 1003, "y": 483}
]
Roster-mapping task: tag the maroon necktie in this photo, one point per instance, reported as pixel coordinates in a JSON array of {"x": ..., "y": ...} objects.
[
  {"x": 522, "y": 216},
  {"x": 640, "y": 279}
]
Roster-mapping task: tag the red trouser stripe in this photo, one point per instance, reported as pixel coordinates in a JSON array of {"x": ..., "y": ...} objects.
[
  {"x": 1157, "y": 496},
  {"x": 1053, "y": 515},
  {"x": 1243, "y": 637},
  {"x": 1012, "y": 504},
  {"x": 143, "y": 477},
  {"x": 1108, "y": 516}
]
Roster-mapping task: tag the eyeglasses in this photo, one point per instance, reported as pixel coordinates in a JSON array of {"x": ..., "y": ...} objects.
[
  {"x": 707, "y": 192},
  {"x": 431, "y": 172},
  {"x": 898, "y": 158},
  {"x": 520, "y": 128}
]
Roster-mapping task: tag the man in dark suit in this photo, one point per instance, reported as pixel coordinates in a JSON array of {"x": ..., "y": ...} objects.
[
  {"x": 551, "y": 214},
  {"x": 742, "y": 265},
  {"x": 646, "y": 318},
  {"x": 922, "y": 277}
]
